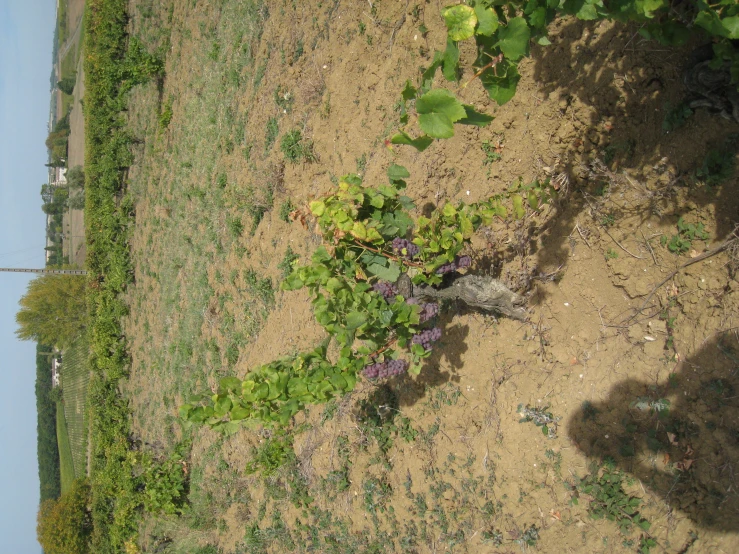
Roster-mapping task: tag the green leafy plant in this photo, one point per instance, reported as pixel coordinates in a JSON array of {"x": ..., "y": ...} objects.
[
  {"x": 608, "y": 500},
  {"x": 286, "y": 265},
  {"x": 351, "y": 279},
  {"x": 611, "y": 254},
  {"x": 285, "y": 209},
  {"x": 274, "y": 452},
  {"x": 718, "y": 165},
  {"x": 686, "y": 234},
  {"x": 296, "y": 148},
  {"x": 165, "y": 485},
  {"x": 273, "y": 128}
]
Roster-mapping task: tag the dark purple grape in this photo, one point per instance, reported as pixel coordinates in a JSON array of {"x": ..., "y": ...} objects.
[
  {"x": 405, "y": 248},
  {"x": 460, "y": 262},
  {"x": 426, "y": 337},
  {"x": 396, "y": 367},
  {"x": 446, "y": 268},
  {"x": 463, "y": 261},
  {"x": 428, "y": 311},
  {"x": 387, "y": 290},
  {"x": 375, "y": 371}
]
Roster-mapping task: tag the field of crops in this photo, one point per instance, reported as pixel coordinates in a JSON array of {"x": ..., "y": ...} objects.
[{"x": 74, "y": 380}]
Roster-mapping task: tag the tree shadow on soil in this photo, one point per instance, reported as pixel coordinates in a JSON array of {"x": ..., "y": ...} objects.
[
  {"x": 688, "y": 454},
  {"x": 627, "y": 86}
]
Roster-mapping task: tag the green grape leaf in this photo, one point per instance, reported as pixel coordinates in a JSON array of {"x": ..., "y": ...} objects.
[
  {"x": 518, "y": 209},
  {"x": 317, "y": 208},
  {"x": 231, "y": 384},
  {"x": 731, "y": 24},
  {"x": 436, "y": 125},
  {"x": 460, "y": 21},
  {"x": 421, "y": 143},
  {"x": 389, "y": 274},
  {"x": 646, "y": 6},
  {"x": 710, "y": 21},
  {"x": 450, "y": 67},
  {"x": 500, "y": 82},
  {"x": 292, "y": 282},
  {"x": 230, "y": 427},
  {"x": 587, "y": 12},
  {"x": 355, "y": 320},
  {"x": 440, "y": 101},
  {"x": 184, "y": 410},
  {"x": 514, "y": 38},
  {"x": 437, "y": 110},
  {"x": 396, "y": 173},
  {"x": 538, "y": 19},
  {"x": 239, "y": 412},
  {"x": 222, "y": 406},
  {"x": 473, "y": 117},
  {"x": 409, "y": 91},
  {"x": 427, "y": 77},
  {"x": 487, "y": 20},
  {"x": 543, "y": 41}
]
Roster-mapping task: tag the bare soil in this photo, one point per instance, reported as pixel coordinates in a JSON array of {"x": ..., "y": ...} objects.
[{"x": 589, "y": 111}]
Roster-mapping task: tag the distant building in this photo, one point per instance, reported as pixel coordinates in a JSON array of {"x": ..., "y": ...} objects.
[
  {"x": 56, "y": 368},
  {"x": 58, "y": 176}
]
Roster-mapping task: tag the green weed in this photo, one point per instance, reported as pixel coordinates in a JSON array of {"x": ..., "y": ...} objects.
[
  {"x": 296, "y": 148},
  {"x": 273, "y": 128},
  {"x": 285, "y": 209},
  {"x": 682, "y": 241}
]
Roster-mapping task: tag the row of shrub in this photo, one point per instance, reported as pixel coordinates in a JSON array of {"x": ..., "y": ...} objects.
[{"x": 113, "y": 65}]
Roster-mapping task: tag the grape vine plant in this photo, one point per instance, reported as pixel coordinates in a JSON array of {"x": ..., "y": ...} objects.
[{"x": 371, "y": 246}]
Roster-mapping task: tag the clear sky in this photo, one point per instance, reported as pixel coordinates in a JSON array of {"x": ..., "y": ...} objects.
[{"x": 26, "y": 34}]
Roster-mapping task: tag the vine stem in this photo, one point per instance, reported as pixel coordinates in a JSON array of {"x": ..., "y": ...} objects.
[{"x": 390, "y": 256}]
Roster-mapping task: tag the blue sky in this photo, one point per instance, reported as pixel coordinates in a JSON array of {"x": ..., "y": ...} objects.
[{"x": 26, "y": 34}]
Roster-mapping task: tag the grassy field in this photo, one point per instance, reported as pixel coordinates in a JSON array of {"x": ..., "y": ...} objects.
[
  {"x": 62, "y": 30},
  {"x": 75, "y": 379},
  {"x": 66, "y": 462}
]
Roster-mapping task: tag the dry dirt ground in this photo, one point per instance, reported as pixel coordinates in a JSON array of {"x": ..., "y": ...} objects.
[{"x": 652, "y": 398}]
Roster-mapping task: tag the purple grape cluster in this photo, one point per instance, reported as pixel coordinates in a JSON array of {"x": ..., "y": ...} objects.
[
  {"x": 405, "y": 248},
  {"x": 381, "y": 370},
  {"x": 425, "y": 338},
  {"x": 428, "y": 311},
  {"x": 460, "y": 262},
  {"x": 387, "y": 290}
]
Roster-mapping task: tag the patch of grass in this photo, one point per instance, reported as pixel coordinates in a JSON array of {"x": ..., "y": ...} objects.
[
  {"x": 235, "y": 226},
  {"x": 274, "y": 452},
  {"x": 66, "y": 464},
  {"x": 296, "y": 148},
  {"x": 284, "y": 99},
  {"x": 286, "y": 265},
  {"x": 273, "y": 129},
  {"x": 165, "y": 116},
  {"x": 285, "y": 209}
]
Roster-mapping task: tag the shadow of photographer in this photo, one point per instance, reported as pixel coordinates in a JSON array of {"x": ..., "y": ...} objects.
[{"x": 680, "y": 438}]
